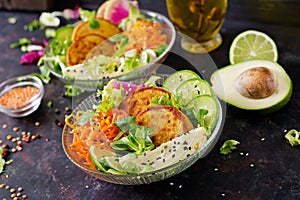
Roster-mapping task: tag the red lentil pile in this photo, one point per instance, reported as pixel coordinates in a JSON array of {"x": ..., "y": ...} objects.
[{"x": 18, "y": 97}]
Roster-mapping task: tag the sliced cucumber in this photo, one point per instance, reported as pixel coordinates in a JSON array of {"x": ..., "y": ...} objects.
[
  {"x": 96, "y": 154},
  {"x": 64, "y": 33},
  {"x": 191, "y": 88},
  {"x": 174, "y": 80},
  {"x": 205, "y": 102}
]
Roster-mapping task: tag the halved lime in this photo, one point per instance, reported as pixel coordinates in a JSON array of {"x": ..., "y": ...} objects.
[
  {"x": 209, "y": 103},
  {"x": 174, "y": 80},
  {"x": 252, "y": 44},
  {"x": 191, "y": 88}
]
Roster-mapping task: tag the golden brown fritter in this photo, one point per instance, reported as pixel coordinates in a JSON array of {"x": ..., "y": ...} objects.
[
  {"x": 140, "y": 99},
  {"x": 167, "y": 123}
]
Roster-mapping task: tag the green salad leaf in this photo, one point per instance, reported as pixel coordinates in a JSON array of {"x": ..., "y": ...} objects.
[
  {"x": 228, "y": 146},
  {"x": 165, "y": 100},
  {"x": 86, "y": 116},
  {"x": 137, "y": 140}
]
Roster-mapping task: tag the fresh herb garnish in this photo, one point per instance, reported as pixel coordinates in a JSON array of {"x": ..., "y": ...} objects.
[
  {"x": 34, "y": 25},
  {"x": 293, "y": 137},
  {"x": 165, "y": 100},
  {"x": 159, "y": 50},
  {"x": 72, "y": 91},
  {"x": 121, "y": 46},
  {"x": 86, "y": 116},
  {"x": 228, "y": 146},
  {"x": 137, "y": 140},
  {"x": 21, "y": 42}
]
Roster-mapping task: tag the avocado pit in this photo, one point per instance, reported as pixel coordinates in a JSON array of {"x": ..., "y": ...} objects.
[{"x": 256, "y": 83}]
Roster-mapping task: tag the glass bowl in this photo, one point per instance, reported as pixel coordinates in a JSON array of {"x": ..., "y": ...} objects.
[
  {"x": 151, "y": 67},
  {"x": 29, "y": 105},
  {"x": 142, "y": 178}
]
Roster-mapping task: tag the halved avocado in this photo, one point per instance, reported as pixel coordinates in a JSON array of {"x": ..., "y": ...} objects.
[{"x": 256, "y": 85}]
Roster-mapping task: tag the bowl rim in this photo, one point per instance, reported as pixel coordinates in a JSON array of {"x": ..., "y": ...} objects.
[
  {"x": 21, "y": 81},
  {"x": 209, "y": 144},
  {"x": 170, "y": 27}
]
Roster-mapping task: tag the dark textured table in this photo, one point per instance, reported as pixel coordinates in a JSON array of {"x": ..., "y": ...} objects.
[{"x": 263, "y": 167}]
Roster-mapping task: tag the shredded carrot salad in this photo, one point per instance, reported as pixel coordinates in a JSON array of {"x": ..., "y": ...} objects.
[
  {"x": 143, "y": 35},
  {"x": 99, "y": 131},
  {"x": 18, "y": 97}
]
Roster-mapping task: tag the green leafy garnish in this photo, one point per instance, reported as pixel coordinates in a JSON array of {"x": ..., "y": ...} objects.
[
  {"x": 34, "y": 25},
  {"x": 2, "y": 161},
  {"x": 117, "y": 38},
  {"x": 121, "y": 46},
  {"x": 72, "y": 91},
  {"x": 94, "y": 24},
  {"x": 50, "y": 32},
  {"x": 21, "y": 42},
  {"x": 132, "y": 63},
  {"x": 201, "y": 117},
  {"x": 12, "y": 20},
  {"x": 89, "y": 16},
  {"x": 86, "y": 15},
  {"x": 137, "y": 140},
  {"x": 151, "y": 82},
  {"x": 159, "y": 50},
  {"x": 86, "y": 116},
  {"x": 228, "y": 146},
  {"x": 293, "y": 137},
  {"x": 165, "y": 100},
  {"x": 134, "y": 15}
]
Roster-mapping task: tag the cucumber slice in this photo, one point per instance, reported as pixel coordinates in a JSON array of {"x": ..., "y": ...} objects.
[
  {"x": 174, "y": 80},
  {"x": 205, "y": 102},
  {"x": 64, "y": 33},
  {"x": 96, "y": 154},
  {"x": 191, "y": 88}
]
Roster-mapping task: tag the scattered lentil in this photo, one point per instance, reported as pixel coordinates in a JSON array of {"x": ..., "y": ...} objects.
[
  {"x": 13, "y": 140},
  {"x": 2, "y": 185},
  {"x": 12, "y": 190},
  {"x": 33, "y": 137},
  {"x": 4, "y": 126},
  {"x": 19, "y": 194},
  {"x": 57, "y": 111},
  {"x": 7, "y": 187},
  {"x": 20, "y": 189},
  {"x": 15, "y": 129},
  {"x": 37, "y": 123},
  {"x": 24, "y": 196},
  {"x": 9, "y": 137},
  {"x": 13, "y": 150},
  {"x": 1, "y": 141},
  {"x": 13, "y": 195},
  {"x": 19, "y": 148}
]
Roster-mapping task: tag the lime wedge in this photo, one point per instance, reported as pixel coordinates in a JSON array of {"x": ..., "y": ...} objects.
[
  {"x": 174, "y": 80},
  {"x": 191, "y": 88},
  {"x": 251, "y": 45}
]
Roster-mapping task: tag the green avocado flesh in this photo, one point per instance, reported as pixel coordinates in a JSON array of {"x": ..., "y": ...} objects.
[
  {"x": 166, "y": 154},
  {"x": 257, "y": 85}
]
